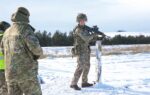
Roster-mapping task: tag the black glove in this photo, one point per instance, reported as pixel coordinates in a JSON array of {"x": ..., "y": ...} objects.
[{"x": 35, "y": 57}]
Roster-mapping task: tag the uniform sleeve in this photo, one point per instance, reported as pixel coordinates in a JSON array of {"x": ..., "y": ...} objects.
[
  {"x": 86, "y": 36},
  {"x": 33, "y": 43},
  {"x": 1, "y": 47}
]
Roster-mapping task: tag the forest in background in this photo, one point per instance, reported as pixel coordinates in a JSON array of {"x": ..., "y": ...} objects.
[{"x": 63, "y": 39}]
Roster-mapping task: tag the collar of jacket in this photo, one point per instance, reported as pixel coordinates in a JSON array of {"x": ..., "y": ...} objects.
[{"x": 25, "y": 23}]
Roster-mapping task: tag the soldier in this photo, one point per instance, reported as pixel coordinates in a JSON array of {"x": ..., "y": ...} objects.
[
  {"x": 21, "y": 51},
  {"x": 3, "y": 87},
  {"x": 82, "y": 37}
]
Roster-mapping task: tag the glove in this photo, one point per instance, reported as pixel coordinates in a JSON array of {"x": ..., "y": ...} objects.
[{"x": 35, "y": 57}]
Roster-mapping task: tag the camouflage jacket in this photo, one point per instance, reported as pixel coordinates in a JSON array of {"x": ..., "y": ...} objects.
[
  {"x": 21, "y": 50},
  {"x": 1, "y": 35},
  {"x": 82, "y": 39},
  {"x": 2, "y": 65}
]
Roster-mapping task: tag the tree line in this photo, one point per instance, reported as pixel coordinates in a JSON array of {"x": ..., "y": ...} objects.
[{"x": 64, "y": 39}]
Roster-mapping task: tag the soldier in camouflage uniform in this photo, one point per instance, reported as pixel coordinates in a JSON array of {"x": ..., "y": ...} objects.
[
  {"x": 21, "y": 51},
  {"x": 82, "y": 51},
  {"x": 3, "y": 87}
]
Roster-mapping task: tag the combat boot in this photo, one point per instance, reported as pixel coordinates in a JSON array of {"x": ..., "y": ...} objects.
[
  {"x": 86, "y": 84},
  {"x": 75, "y": 87}
]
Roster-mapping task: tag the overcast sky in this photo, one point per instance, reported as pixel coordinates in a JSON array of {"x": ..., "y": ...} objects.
[{"x": 109, "y": 15}]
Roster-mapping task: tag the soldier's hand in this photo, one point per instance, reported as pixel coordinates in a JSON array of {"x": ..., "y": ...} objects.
[{"x": 36, "y": 57}]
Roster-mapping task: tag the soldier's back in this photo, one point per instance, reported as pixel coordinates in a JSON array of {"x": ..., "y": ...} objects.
[{"x": 17, "y": 59}]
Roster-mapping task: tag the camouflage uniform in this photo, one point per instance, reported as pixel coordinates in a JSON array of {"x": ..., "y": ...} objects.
[
  {"x": 82, "y": 40},
  {"x": 3, "y": 86},
  {"x": 21, "y": 51}
]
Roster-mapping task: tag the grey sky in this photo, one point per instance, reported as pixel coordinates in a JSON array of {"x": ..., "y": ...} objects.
[{"x": 109, "y": 15}]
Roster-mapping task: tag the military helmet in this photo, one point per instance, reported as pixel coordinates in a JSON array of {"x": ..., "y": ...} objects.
[
  {"x": 81, "y": 16},
  {"x": 21, "y": 15},
  {"x": 4, "y": 25}
]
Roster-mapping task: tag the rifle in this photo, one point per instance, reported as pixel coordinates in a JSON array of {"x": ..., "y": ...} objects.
[{"x": 95, "y": 30}]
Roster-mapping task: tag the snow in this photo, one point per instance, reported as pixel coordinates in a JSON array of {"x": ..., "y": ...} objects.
[
  {"x": 66, "y": 51},
  {"x": 126, "y": 74}
]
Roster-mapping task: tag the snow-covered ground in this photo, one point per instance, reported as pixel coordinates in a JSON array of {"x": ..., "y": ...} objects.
[
  {"x": 108, "y": 49},
  {"x": 121, "y": 75}
]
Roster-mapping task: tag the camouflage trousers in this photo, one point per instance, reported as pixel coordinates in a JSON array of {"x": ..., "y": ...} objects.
[
  {"x": 3, "y": 86},
  {"x": 83, "y": 68},
  {"x": 25, "y": 87}
]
